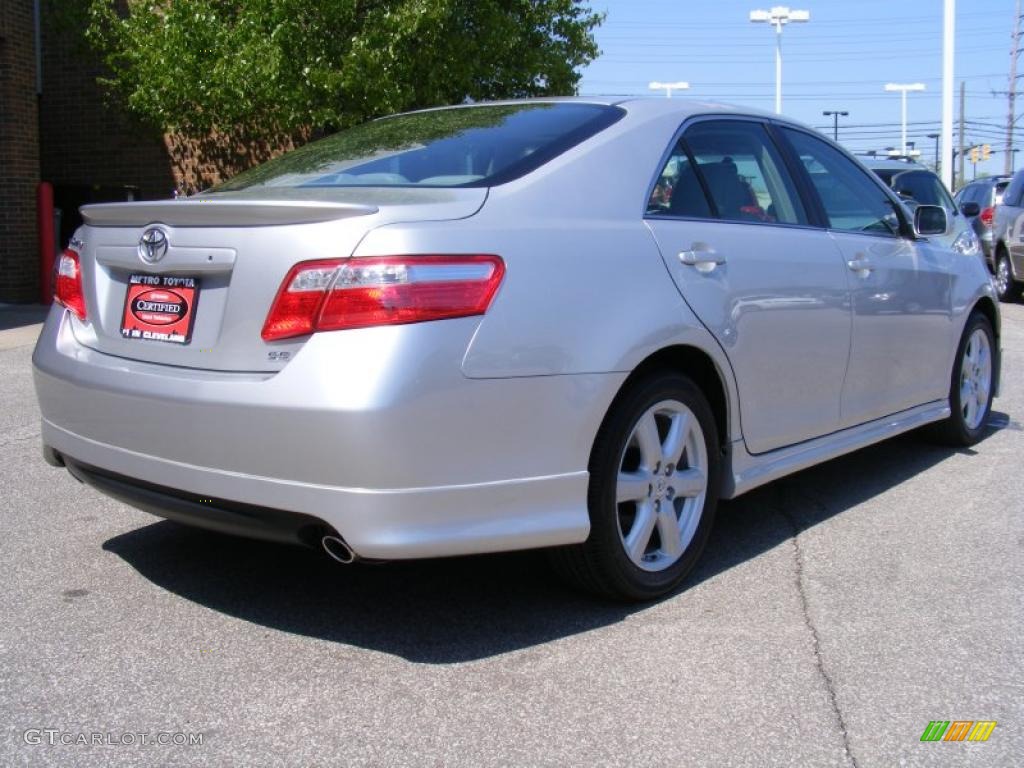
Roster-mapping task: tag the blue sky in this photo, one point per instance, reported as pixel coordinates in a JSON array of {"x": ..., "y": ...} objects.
[{"x": 840, "y": 60}]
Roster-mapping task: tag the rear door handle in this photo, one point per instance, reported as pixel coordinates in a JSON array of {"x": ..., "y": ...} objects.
[
  {"x": 702, "y": 256},
  {"x": 861, "y": 265}
]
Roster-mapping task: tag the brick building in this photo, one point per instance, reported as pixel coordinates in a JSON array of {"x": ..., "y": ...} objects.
[{"x": 56, "y": 126}]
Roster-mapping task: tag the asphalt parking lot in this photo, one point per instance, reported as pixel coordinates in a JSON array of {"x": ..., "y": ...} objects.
[{"x": 834, "y": 615}]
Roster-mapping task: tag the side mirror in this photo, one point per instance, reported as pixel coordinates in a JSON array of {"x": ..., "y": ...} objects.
[
  {"x": 970, "y": 209},
  {"x": 931, "y": 220}
]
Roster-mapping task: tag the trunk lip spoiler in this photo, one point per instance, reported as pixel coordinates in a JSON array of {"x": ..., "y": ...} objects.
[{"x": 206, "y": 212}]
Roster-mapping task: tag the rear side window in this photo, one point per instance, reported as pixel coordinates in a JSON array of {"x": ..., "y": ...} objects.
[
  {"x": 969, "y": 194},
  {"x": 678, "y": 191},
  {"x": 457, "y": 147},
  {"x": 922, "y": 187},
  {"x": 853, "y": 200},
  {"x": 730, "y": 170}
]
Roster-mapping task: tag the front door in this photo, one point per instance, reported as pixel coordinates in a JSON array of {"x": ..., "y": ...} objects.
[{"x": 900, "y": 289}]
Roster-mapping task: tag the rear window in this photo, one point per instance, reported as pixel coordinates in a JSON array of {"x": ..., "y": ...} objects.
[{"x": 457, "y": 147}]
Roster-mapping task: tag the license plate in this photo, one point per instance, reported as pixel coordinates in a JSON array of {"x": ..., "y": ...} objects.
[{"x": 160, "y": 308}]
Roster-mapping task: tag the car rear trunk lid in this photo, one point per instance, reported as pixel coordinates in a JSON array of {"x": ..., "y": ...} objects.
[{"x": 207, "y": 269}]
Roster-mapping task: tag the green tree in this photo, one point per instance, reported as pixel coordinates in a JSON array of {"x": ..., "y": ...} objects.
[{"x": 276, "y": 67}]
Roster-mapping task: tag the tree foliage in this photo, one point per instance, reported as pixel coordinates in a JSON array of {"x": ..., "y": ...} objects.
[{"x": 277, "y": 66}]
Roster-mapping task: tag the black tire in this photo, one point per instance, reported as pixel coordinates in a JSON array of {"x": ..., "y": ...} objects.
[
  {"x": 1010, "y": 290},
  {"x": 601, "y": 564},
  {"x": 955, "y": 430}
]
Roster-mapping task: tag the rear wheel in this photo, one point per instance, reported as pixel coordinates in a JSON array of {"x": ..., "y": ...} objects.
[
  {"x": 971, "y": 388},
  {"x": 1007, "y": 288},
  {"x": 654, "y": 474}
]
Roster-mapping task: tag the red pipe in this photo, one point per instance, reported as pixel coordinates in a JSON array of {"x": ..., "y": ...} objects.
[{"x": 47, "y": 247}]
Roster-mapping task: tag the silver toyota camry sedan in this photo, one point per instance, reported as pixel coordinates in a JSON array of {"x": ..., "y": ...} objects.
[{"x": 573, "y": 324}]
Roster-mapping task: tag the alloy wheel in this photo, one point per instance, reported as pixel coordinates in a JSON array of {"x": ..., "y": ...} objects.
[
  {"x": 1003, "y": 276},
  {"x": 975, "y": 378},
  {"x": 661, "y": 485}
]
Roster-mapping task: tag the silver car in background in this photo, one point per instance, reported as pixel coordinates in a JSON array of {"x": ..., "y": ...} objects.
[
  {"x": 573, "y": 324},
  {"x": 978, "y": 202},
  {"x": 1008, "y": 240}
]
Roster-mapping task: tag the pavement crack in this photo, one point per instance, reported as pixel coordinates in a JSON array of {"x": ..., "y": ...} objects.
[
  {"x": 20, "y": 434},
  {"x": 798, "y": 557}
]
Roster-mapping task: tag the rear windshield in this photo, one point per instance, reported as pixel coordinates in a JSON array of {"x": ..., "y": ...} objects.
[{"x": 458, "y": 147}]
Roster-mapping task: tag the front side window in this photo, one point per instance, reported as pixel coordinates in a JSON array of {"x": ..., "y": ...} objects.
[
  {"x": 730, "y": 170},
  {"x": 457, "y": 147},
  {"x": 853, "y": 200}
]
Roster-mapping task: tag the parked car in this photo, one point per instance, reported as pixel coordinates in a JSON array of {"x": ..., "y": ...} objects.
[
  {"x": 987, "y": 193},
  {"x": 916, "y": 185},
  {"x": 571, "y": 324},
  {"x": 1008, "y": 240}
]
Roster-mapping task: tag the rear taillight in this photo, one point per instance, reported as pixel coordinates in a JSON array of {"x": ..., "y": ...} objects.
[
  {"x": 986, "y": 216},
  {"x": 335, "y": 294},
  {"x": 68, "y": 289}
]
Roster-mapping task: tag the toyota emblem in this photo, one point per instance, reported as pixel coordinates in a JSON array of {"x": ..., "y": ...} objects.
[{"x": 153, "y": 245}]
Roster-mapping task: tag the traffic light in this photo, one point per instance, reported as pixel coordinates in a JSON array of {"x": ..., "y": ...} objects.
[
  {"x": 974, "y": 155},
  {"x": 986, "y": 151}
]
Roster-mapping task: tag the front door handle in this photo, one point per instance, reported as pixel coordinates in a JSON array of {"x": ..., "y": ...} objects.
[
  {"x": 861, "y": 265},
  {"x": 702, "y": 256}
]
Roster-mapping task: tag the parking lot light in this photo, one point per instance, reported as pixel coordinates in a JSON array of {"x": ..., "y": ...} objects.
[
  {"x": 903, "y": 89},
  {"x": 778, "y": 17}
]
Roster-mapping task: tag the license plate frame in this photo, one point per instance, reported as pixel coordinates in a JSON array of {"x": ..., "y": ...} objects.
[{"x": 160, "y": 308}]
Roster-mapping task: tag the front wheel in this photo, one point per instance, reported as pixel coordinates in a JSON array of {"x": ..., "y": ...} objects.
[
  {"x": 972, "y": 385},
  {"x": 654, "y": 476}
]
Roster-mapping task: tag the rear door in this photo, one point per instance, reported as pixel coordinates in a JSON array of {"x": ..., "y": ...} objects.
[
  {"x": 900, "y": 288},
  {"x": 737, "y": 240}
]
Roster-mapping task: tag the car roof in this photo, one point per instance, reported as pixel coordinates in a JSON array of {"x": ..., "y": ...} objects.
[
  {"x": 643, "y": 106},
  {"x": 998, "y": 179}
]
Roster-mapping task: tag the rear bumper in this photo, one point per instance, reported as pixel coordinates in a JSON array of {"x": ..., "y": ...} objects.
[
  {"x": 376, "y": 433},
  {"x": 220, "y": 515}
]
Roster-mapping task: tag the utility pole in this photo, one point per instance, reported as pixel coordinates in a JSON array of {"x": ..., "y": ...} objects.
[
  {"x": 963, "y": 99},
  {"x": 835, "y": 120},
  {"x": 778, "y": 17},
  {"x": 948, "y": 43},
  {"x": 1012, "y": 95}
]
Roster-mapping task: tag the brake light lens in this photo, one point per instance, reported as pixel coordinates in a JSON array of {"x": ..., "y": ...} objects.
[
  {"x": 337, "y": 294},
  {"x": 986, "y": 216},
  {"x": 68, "y": 290}
]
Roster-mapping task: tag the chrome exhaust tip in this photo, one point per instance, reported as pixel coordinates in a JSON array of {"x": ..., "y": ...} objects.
[{"x": 337, "y": 549}]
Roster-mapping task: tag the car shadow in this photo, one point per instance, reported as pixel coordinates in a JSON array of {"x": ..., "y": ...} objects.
[
  {"x": 20, "y": 315},
  {"x": 462, "y": 609}
]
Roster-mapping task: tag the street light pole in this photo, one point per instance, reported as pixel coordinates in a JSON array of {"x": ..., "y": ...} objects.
[
  {"x": 948, "y": 43},
  {"x": 936, "y": 136},
  {"x": 904, "y": 88},
  {"x": 778, "y": 17},
  {"x": 835, "y": 122},
  {"x": 668, "y": 87}
]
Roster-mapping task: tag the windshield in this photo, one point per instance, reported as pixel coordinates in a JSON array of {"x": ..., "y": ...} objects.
[{"x": 458, "y": 147}]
